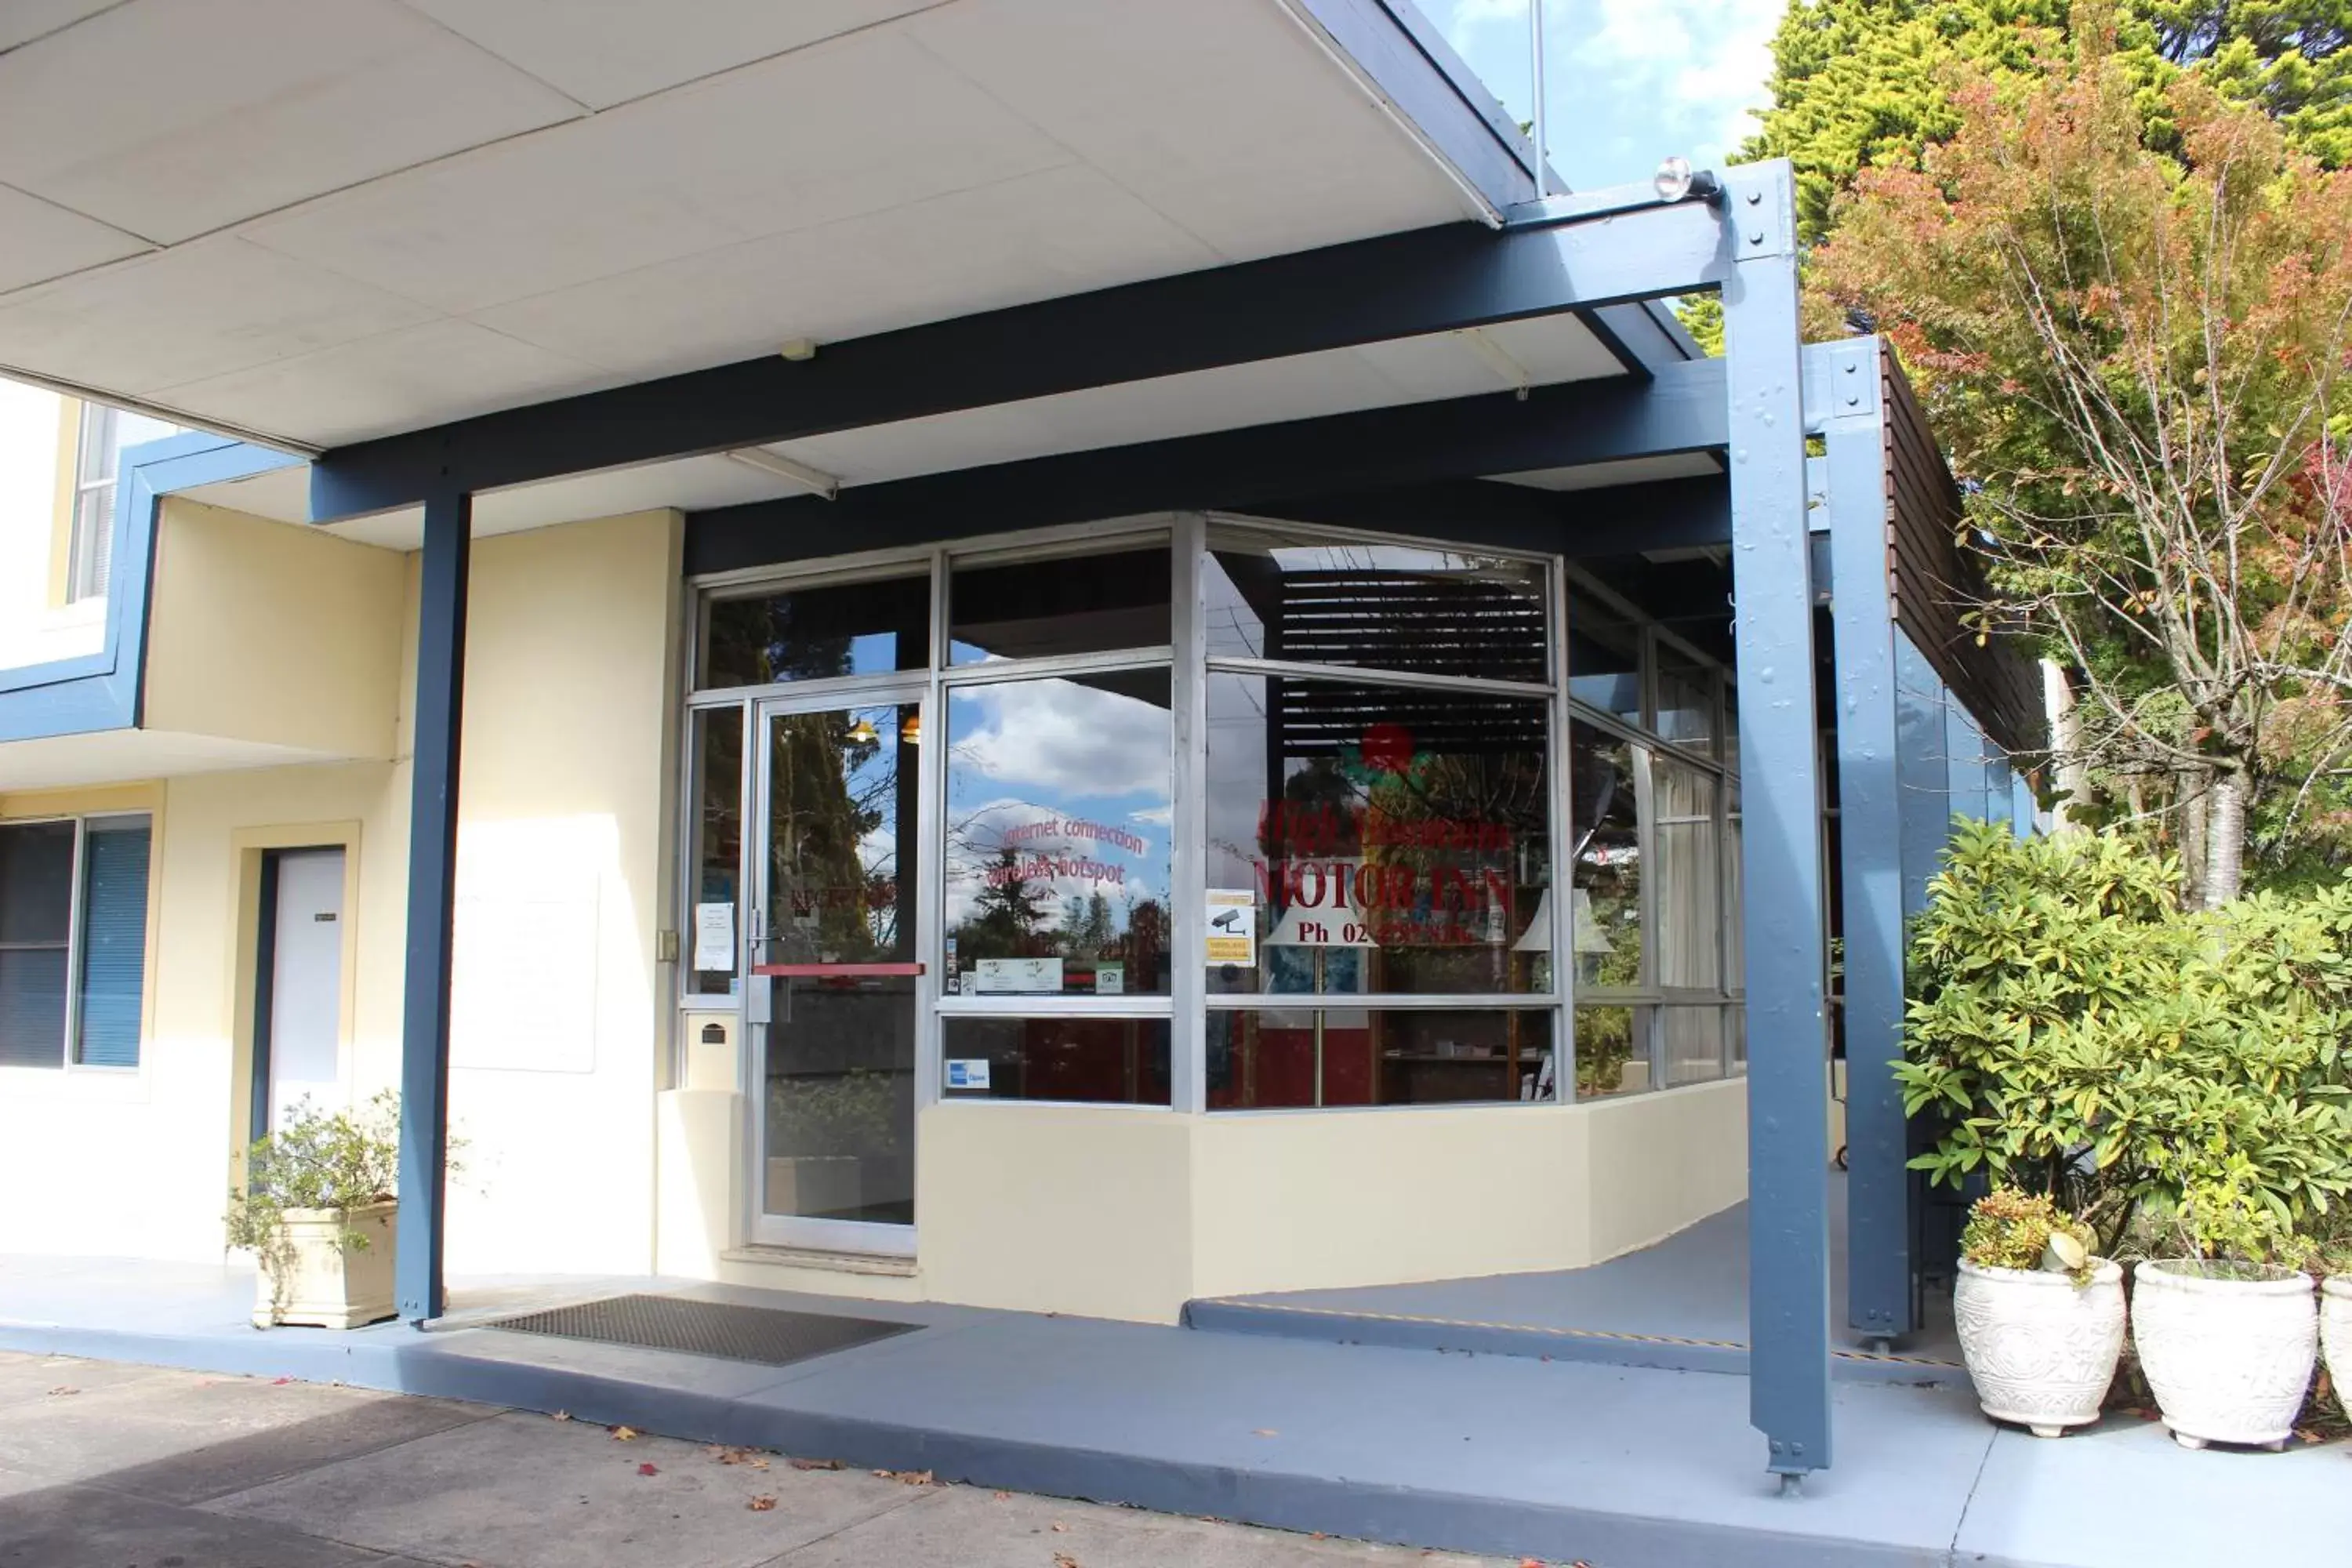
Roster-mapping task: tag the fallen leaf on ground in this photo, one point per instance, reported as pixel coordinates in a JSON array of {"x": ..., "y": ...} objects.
[
  {"x": 648, "y": 1468},
  {"x": 1064, "y": 1560},
  {"x": 1060, "y": 1528},
  {"x": 559, "y": 1415},
  {"x": 907, "y": 1478},
  {"x": 763, "y": 1503},
  {"x": 624, "y": 1434},
  {"x": 1005, "y": 1497},
  {"x": 757, "y": 1462},
  {"x": 64, "y": 1388},
  {"x": 819, "y": 1464}
]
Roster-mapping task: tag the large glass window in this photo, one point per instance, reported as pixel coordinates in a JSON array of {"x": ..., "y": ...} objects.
[
  {"x": 1029, "y": 608},
  {"x": 717, "y": 854},
  {"x": 1607, "y": 925},
  {"x": 1056, "y": 860},
  {"x": 97, "y": 468},
  {"x": 73, "y": 941},
  {"x": 1288, "y": 1058},
  {"x": 1119, "y": 1061},
  {"x": 1376, "y": 605},
  {"x": 1394, "y": 897},
  {"x": 1689, "y": 876},
  {"x": 1374, "y": 838},
  {"x": 818, "y": 634}
]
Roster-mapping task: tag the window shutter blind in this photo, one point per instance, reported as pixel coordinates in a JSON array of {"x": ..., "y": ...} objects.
[{"x": 114, "y": 941}]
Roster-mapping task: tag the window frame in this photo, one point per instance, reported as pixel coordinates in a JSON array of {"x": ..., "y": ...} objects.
[
  {"x": 1188, "y": 1003},
  {"x": 69, "y": 1065}
]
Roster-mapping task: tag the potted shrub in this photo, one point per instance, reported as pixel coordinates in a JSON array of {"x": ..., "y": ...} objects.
[
  {"x": 2040, "y": 1318},
  {"x": 2228, "y": 1334},
  {"x": 318, "y": 1210},
  {"x": 2335, "y": 1333}
]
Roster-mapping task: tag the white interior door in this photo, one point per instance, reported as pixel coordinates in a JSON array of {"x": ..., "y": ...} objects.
[{"x": 306, "y": 983}]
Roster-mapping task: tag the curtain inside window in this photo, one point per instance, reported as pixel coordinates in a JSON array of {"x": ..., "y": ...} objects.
[
  {"x": 1689, "y": 871},
  {"x": 114, "y": 941}
]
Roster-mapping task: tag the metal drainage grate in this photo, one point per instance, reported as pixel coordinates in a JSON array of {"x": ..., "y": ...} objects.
[{"x": 767, "y": 1335}]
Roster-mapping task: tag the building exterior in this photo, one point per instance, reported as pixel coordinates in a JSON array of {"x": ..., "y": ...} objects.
[{"x": 1127, "y": 769}]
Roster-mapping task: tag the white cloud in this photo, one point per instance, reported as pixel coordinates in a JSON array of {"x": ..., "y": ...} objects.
[
  {"x": 1627, "y": 80},
  {"x": 1061, "y": 739}
]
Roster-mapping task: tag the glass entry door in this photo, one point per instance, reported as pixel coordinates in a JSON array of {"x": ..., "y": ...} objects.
[{"x": 834, "y": 983}]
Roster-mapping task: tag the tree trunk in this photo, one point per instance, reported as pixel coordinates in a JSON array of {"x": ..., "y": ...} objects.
[
  {"x": 2225, "y": 839},
  {"x": 2189, "y": 786}
]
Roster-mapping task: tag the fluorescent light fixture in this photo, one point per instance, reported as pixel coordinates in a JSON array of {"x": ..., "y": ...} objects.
[{"x": 815, "y": 480}]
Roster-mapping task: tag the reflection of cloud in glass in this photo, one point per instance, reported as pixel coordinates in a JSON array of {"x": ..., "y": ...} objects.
[
  {"x": 1061, "y": 738},
  {"x": 1079, "y": 850}
]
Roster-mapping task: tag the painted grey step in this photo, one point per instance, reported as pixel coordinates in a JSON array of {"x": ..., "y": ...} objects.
[{"x": 1248, "y": 1315}]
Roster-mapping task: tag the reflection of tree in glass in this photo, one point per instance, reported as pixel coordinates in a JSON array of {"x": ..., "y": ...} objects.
[
  {"x": 1006, "y": 915},
  {"x": 764, "y": 637},
  {"x": 826, "y": 792},
  {"x": 1088, "y": 926},
  {"x": 1604, "y": 1043},
  {"x": 1607, "y": 866}
]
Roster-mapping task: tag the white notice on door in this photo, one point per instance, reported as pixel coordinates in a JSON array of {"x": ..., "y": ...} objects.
[
  {"x": 1022, "y": 975},
  {"x": 714, "y": 938}
]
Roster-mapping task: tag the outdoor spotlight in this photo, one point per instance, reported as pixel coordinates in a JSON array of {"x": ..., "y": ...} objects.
[{"x": 1676, "y": 179}]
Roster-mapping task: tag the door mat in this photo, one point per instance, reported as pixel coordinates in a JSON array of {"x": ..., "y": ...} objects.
[{"x": 768, "y": 1336}]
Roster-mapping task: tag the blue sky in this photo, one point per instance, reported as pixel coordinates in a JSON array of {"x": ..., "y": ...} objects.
[{"x": 1628, "y": 80}]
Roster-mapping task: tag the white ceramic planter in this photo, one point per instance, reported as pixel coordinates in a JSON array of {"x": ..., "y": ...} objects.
[
  {"x": 2041, "y": 1349},
  {"x": 2335, "y": 1333},
  {"x": 316, "y": 1280},
  {"x": 2230, "y": 1359}
]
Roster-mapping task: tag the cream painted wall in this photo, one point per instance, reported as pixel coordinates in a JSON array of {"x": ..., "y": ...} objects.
[
  {"x": 148, "y": 1152},
  {"x": 1657, "y": 1163},
  {"x": 559, "y": 1022},
  {"x": 565, "y": 760},
  {"x": 264, "y": 631},
  {"x": 1293, "y": 1201},
  {"x": 1060, "y": 1208}
]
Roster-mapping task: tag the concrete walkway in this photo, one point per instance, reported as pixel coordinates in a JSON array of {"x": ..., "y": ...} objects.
[
  {"x": 109, "y": 1465},
  {"x": 1620, "y": 1467}
]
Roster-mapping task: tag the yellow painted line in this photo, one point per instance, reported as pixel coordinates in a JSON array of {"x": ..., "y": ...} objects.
[{"x": 1548, "y": 1329}]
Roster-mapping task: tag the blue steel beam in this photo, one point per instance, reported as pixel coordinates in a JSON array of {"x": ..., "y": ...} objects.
[
  {"x": 431, "y": 892},
  {"x": 1787, "y": 1083},
  {"x": 1610, "y": 248},
  {"x": 1870, "y": 837},
  {"x": 1681, "y": 410}
]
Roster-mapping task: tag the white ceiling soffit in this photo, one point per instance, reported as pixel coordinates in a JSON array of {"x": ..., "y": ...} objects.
[
  {"x": 1411, "y": 370},
  {"x": 1623, "y": 471},
  {"x": 125, "y": 756},
  {"x": 333, "y": 219}
]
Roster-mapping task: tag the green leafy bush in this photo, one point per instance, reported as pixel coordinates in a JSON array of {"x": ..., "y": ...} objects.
[
  {"x": 2011, "y": 1229},
  {"x": 2071, "y": 1032}
]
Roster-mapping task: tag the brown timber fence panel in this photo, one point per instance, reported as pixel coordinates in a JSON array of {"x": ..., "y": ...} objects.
[{"x": 1935, "y": 585}]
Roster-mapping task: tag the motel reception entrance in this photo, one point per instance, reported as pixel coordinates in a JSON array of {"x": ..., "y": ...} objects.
[{"x": 1300, "y": 905}]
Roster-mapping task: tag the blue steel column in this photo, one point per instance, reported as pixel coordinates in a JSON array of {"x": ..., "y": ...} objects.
[
  {"x": 432, "y": 887},
  {"x": 1787, "y": 1065},
  {"x": 1869, "y": 836},
  {"x": 1924, "y": 778},
  {"x": 1964, "y": 754}
]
